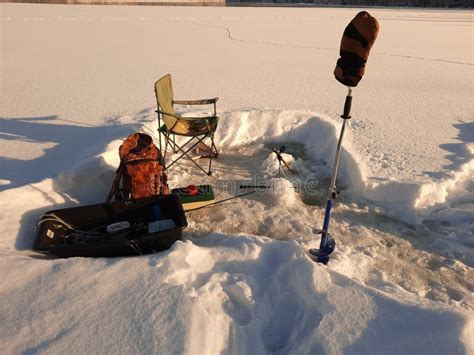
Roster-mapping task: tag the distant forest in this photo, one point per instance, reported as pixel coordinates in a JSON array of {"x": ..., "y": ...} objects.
[{"x": 412, "y": 3}]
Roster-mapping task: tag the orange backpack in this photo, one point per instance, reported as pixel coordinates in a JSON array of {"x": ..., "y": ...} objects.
[{"x": 141, "y": 172}]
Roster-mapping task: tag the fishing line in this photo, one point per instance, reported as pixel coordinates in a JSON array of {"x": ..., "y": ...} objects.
[{"x": 221, "y": 201}]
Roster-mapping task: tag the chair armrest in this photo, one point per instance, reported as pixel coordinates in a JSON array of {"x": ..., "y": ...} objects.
[
  {"x": 207, "y": 118},
  {"x": 168, "y": 114},
  {"x": 196, "y": 102}
]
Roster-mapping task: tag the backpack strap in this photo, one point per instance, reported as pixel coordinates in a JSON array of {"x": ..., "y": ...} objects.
[
  {"x": 139, "y": 161},
  {"x": 114, "y": 189}
]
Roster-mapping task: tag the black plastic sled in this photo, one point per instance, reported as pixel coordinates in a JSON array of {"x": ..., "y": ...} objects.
[{"x": 112, "y": 229}]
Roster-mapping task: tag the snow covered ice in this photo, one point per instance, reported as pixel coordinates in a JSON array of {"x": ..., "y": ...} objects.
[{"x": 76, "y": 80}]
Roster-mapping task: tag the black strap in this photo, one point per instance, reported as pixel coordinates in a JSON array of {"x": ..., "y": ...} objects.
[
  {"x": 352, "y": 32},
  {"x": 115, "y": 184},
  {"x": 140, "y": 161}
]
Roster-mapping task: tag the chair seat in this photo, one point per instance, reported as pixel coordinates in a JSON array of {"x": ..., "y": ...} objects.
[{"x": 196, "y": 127}]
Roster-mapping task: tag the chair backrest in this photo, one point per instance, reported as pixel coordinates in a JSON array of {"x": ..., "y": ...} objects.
[{"x": 164, "y": 99}]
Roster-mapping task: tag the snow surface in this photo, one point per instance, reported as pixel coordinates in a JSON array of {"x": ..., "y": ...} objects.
[{"x": 76, "y": 80}]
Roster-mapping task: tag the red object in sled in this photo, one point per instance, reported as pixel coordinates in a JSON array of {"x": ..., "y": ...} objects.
[{"x": 191, "y": 190}]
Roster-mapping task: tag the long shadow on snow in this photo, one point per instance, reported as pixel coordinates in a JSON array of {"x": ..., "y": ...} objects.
[
  {"x": 458, "y": 153},
  {"x": 72, "y": 144},
  {"x": 420, "y": 237},
  {"x": 399, "y": 328},
  {"x": 76, "y": 188}
]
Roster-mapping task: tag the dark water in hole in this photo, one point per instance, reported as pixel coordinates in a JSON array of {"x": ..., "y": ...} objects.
[
  {"x": 316, "y": 197},
  {"x": 312, "y": 193}
]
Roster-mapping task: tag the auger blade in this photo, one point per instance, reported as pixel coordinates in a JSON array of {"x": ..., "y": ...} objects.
[{"x": 322, "y": 255}]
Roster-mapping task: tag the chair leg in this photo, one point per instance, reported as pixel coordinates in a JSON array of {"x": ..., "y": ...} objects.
[
  {"x": 209, "y": 171},
  {"x": 174, "y": 147},
  {"x": 185, "y": 153},
  {"x": 213, "y": 148},
  {"x": 159, "y": 130},
  {"x": 167, "y": 142},
  {"x": 174, "y": 144},
  {"x": 213, "y": 145}
]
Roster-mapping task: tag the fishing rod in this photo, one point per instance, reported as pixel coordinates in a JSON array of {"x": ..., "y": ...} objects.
[
  {"x": 221, "y": 201},
  {"x": 261, "y": 187}
]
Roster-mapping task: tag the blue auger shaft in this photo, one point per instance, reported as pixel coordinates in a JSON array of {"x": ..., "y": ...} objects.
[
  {"x": 327, "y": 218},
  {"x": 332, "y": 192}
]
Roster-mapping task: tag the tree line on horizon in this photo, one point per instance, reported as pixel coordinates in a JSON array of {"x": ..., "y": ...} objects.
[{"x": 410, "y": 3}]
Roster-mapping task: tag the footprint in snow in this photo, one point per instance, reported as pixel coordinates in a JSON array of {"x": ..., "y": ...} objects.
[
  {"x": 290, "y": 322},
  {"x": 240, "y": 304}
]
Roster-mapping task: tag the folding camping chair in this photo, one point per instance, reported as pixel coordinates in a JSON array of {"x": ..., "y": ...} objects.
[{"x": 198, "y": 129}]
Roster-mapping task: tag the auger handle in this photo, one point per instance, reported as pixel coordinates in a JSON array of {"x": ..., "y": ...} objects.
[{"x": 347, "y": 106}]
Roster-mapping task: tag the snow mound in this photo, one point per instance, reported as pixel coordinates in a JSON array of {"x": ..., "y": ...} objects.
[{"x": 408, "y": 201}]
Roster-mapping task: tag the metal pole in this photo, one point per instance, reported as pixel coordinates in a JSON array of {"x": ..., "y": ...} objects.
[{"x": 327, "y": 244}]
